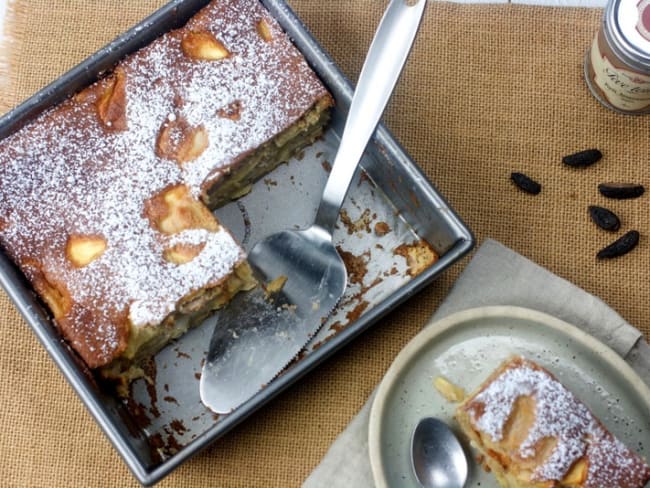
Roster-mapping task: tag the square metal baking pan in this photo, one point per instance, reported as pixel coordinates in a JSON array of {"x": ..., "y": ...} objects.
[{"x": 389, "y": 209}]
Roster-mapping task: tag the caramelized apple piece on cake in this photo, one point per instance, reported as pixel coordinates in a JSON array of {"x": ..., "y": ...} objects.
[
  {"x": 203, "y": 46},
  {"x": 180, "y": 142},
  {"x": 174, "y": 210},
  {"x": 111, "y": 105},
  {"x": 82, "y": 250}
]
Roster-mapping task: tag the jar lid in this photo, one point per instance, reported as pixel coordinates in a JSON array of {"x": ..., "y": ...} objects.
[{"x": 629, "y": 31}]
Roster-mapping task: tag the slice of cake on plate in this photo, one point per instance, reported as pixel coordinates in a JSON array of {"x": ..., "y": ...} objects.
[{"x": 532, "y": 432}]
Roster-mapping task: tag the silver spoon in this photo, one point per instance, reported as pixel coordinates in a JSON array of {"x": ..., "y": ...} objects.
[
  {"x": 255, "y": 338},
  {"x": 437, "y": 457}
]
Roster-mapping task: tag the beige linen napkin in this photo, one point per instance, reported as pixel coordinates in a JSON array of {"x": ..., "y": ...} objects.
[{"x": 495, "y": 276}]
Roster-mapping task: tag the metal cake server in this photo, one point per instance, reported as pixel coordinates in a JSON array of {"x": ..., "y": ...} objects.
[{"x": 258, "y": 334}]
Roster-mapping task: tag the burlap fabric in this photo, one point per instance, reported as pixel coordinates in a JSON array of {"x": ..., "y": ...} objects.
[{"x": 488, "y": 90}]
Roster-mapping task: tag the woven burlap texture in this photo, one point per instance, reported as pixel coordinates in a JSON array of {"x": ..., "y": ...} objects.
[{"x": 488, "y": 90}]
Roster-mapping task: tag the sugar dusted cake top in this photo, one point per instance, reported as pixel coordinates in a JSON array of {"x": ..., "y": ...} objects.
[{"x": 100, "y": 196}]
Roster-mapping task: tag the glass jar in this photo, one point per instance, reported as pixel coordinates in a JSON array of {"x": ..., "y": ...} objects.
[{"x": 617, "y": 65}]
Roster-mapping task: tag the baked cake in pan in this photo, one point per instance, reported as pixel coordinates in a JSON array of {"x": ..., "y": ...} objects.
[
  {"x": 104, "y": 199},
  {"x": 532, "y": 432}
]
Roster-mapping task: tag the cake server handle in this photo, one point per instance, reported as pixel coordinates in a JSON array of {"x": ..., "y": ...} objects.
[{"x": 379, "y": 74}]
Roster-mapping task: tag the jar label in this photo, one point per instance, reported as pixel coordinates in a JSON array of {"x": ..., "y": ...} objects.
[
  {"x": 643, "y": 25},
  {"x": 624, "y": 89}
]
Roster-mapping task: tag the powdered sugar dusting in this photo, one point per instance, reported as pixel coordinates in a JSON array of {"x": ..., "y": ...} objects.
[
  {"x": 65, "y": 173},
  {"x": 561, "y": 416}
]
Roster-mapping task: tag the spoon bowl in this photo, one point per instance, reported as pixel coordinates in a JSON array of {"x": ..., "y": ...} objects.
[{"x": 437, "y": 458}]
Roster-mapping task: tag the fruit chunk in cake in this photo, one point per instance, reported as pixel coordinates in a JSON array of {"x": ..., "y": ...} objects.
[
  {"x": 534, "y": 433},
  {"x": 104, "y": 199}
]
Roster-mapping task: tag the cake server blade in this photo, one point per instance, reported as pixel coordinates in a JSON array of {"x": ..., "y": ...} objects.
[{"x": 257, "y": 336}]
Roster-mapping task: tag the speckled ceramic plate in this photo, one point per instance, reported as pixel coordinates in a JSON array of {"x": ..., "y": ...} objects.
[{"x": 464, "y": 348}]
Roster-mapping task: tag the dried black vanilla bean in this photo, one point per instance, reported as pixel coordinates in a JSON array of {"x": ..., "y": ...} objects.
[
  {"x": 604, "y": 218},
  {"x": 620, "y": 246},
  {"x": 526, "y": 184},
  {"x": 621, "y": 190},
  {"x": 582, "y": 159}
]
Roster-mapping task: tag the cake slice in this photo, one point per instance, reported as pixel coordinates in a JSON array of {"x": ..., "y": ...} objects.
[
  {"x": 104, "y": 199},
  {"x": 532, "y": 432}
]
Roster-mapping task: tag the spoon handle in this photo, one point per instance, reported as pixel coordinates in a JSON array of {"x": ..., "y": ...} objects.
[{"x": 384, "y": 62}]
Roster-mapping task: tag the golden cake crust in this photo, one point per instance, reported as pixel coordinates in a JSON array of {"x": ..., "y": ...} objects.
[{"x": 100, "y": 197}]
